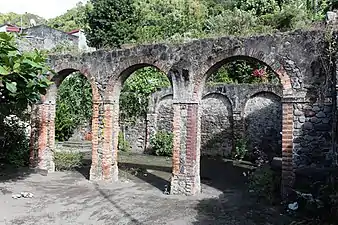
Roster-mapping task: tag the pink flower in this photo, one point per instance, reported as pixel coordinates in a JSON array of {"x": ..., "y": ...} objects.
[{"x": 259, "y": 73}]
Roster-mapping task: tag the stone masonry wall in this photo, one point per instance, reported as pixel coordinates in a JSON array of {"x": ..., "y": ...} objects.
[
  {"x": 263, "y": 123},
  {"x": 135, "y": 135},
  {"x": 260, "y": 107},
  {"x": 216, "y": 125},
  {"x": 44, "y": 37},
  {"x": 312, "y": 134},
  {"x": 165, "y": 114}
]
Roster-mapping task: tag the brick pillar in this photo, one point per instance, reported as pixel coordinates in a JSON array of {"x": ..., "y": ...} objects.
[
  {"x": 288, "y": 174},
  {"x": 42, "y": 138},
  {"x": 104, "y": 142},
  {"x": 186, "y": 150}
]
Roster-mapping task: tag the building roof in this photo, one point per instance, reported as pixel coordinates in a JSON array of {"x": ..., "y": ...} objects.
[
  {"x": 10, "y": 27},
  {"x": 74, "y": 31}
]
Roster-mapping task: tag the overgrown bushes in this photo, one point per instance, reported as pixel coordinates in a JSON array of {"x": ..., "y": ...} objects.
[
  {"x": 14, "y": 141},
  {"x": 162, "y": 144},
  {"x": 265, "y": 183},
  {"x": 67, "y": 160},
  {"x": 123, "y": 145},
  {"x": 241, "y": 149}
]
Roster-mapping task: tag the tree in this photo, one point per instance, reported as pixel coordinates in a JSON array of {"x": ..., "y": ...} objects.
[
  {"x": 15, "y": 19},
  {"x": 111, "y": 23},
  {"x": 136, "y": 91},
  {"x": 170, "y": 20},
  {"x": 22, "y": 74},
  {"x": 22, "y": 81},
  {"x": 72, "y": 19}
]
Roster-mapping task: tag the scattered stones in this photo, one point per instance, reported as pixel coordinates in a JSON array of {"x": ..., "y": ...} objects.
[
  {"x": 23, "y": 195},
  {"x": 293, "y": 206},
  {"x": 166, "y": 191}
]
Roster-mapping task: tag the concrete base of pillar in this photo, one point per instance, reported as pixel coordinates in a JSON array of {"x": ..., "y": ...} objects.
[
  {"x": 96, "y": 173},
  {"x": 183, "y": 184}
]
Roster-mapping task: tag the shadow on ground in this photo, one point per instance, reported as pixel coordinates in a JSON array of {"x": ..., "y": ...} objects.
[
  {"x": 13, "y": 173},
  {"x": 215, "y": 171}
]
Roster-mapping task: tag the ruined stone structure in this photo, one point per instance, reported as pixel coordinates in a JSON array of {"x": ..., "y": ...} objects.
[
  {"x": 47, "y": 38},
  {"x": 298, "y": 58},
  {"x": 257, "y": 105}
]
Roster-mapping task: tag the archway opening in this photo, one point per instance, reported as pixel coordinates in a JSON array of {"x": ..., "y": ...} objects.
[
  {"x": 73, "y": 122},
  {"x": 235, "y": 116},
  {"x": 145, "y": 135}
]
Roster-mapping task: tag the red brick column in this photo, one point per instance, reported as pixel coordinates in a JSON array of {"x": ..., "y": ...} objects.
[
  {"x": 288, "y": 174},
  {"x": 104, "y": 142},
  {"x": 186, "y": 153},
  {"x": 42, "y": 139}
]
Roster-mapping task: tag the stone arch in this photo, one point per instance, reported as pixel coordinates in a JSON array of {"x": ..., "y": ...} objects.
[
  {"x": 116, "y": 81},
  {"x": 42, "y": 143},
  {"x": 111, "y": 116},
  {"x": 213, "y": 65},
  {"x": 276, "y": 64},
  {"x": 216, "y": 125},
  {"x": 263, "y": 123}
]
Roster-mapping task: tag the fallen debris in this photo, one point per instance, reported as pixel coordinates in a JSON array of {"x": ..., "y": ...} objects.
[
  {"x": 293, "y": 206},
  {"x": 23, "y": 195}
]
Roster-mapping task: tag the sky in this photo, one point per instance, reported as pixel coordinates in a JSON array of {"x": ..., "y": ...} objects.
[{"x": 44, "y": 8}]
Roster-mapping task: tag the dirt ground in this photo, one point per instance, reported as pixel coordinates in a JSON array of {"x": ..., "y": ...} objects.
[{"x": 137, "y": 198}]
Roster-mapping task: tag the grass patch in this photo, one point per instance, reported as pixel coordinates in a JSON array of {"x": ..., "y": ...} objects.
[{"x": 69, "y": 160}]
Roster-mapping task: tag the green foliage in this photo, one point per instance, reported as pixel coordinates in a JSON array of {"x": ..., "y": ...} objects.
[
  {"x": 72, "y": 19},
  {"x": 290, "y": 17},
  {"x": 22, "y": 80},
  {"x": 111, "y": 23},
  {"x": 68, "y": 160},
  {"x": 123, "y": 145},
  {"x": 73, "y": 105},
  {"x": 22, "y": 74},
  {"x": 14, "y": 142},
  {"x": 15, "y": 19},
  {"x": 136, "y": 91},
  {"x": 259, "y": 7},
  {"x": 265, "y": 183},
  {"x": 163, "y": 20},
  {"x": 162, "y": 143},
  {"x": 241, "y": 149},
  {"x": 242, "y": 71}
]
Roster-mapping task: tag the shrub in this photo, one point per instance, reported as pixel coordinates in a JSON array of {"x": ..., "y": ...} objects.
[
  {"x": 265, "y": 183},
  {"x": 68, "y": 160},
  {"x": 241, "y": 149},
  {"x": 162, "y": 143},
  {"x": 14, "y": 142},
  {"x": 123, "y": 145}
]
